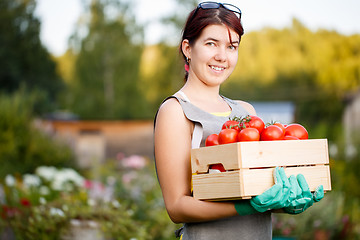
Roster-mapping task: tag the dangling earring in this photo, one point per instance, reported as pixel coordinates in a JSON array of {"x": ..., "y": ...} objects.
[{"x": 187, "y": 64}]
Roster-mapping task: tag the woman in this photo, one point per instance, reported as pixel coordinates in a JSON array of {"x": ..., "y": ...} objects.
[{"x": 209, "y": 45}]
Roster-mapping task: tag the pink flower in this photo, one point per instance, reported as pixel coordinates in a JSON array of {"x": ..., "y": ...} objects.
[
  {"x": 134, "y": 161},
  {"x": 88, "y": 184}
]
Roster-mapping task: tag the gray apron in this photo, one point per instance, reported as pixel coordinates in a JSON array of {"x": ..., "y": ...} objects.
[{"x": 252, "y": 227}]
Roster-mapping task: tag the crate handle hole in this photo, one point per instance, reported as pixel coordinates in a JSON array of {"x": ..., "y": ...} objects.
[{"x": 217, "y": 166}]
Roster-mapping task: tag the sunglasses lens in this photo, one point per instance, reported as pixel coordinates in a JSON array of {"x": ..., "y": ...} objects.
[
  {"x": 215, "y": 5},
  {"x": 209, "y": 5}
]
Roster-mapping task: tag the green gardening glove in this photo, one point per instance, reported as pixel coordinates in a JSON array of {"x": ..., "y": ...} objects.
[
  {"x": 300, "y": 197},
  {"x": 275, "y": 197}
]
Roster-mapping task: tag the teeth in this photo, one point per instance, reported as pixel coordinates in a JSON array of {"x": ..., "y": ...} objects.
[{"x": 217, "y": 68}]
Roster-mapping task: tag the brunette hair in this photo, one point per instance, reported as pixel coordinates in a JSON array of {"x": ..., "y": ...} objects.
[{"x": 201, "y": 18}]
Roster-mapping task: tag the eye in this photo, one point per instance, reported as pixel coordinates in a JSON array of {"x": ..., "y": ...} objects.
[
  {"x": 210, "y": 43},
  {"x": 233, "y": 47}
]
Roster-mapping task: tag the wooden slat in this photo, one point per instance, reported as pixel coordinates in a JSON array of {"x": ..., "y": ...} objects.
[
  {"x": 217, "y": 185},
  {"x": 245, "y": 183},
  {"x": 284, "y": 153},
  {"x": 258, "y": 180}
]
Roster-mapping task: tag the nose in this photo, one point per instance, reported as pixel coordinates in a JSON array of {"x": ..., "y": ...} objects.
[{"x": 221, "y": 54}]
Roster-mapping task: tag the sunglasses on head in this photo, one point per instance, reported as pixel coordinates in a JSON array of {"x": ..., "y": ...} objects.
[{"x": 216, "y": 5}]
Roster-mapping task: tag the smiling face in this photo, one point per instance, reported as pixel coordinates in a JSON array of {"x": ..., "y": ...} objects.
[{"x": 212, "y": 57}]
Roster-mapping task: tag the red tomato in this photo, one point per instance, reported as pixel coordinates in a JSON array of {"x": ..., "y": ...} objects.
[
  {"x": 296, "y": 130},
  {"x": 218, "y": 166},
  {"x": 231, "y": 124},
  {"x": 271, "y": 133},
  {"x": 248, "y": 134},
  {"x": 212, "y": 140},
  {"x": 227, "y": 135},
  {"x": 280, "y": 126},
  {"x": 288, "y": 137},
  {"x": 256, "y": 122}
]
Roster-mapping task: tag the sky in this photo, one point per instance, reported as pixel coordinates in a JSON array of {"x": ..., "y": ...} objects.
[{"x": 58, "y": 17}]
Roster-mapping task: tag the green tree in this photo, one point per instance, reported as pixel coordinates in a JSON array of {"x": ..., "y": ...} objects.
[
  {"x": 106, "y": 77},
  {"x": 24, "y": 60}
]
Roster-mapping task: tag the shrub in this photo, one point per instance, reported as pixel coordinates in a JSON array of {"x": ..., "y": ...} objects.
[{"x": 22, "y": 146}]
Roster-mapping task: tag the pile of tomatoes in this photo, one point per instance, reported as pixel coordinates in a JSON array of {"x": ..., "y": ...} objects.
[{"x": 253, "y": 128}]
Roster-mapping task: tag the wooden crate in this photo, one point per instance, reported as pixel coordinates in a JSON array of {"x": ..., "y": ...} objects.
[{"x": 250, "y": 167}]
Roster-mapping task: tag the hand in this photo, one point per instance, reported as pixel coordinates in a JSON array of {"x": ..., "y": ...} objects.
[
  {"x": 300, "y": 197},
  {"x": 275, "y": 197}
]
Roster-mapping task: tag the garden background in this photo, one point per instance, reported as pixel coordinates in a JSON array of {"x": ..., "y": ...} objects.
[{"x": 108, "y": 73}]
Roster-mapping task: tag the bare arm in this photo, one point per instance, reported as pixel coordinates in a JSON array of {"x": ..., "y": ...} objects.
[{"x": 172, "y": 151}]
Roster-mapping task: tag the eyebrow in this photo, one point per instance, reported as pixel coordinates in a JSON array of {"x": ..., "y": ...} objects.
[
  {"x": 216, "y": 40},
  {"x": 211, "y": 39}
]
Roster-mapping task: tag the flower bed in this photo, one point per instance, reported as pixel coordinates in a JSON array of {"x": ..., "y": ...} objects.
[{"x": 123, "y": 203}]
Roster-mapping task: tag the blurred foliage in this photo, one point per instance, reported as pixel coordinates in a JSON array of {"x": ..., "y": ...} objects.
[
  {"x": 174, "y": 21},
  {"x": 345, "y": 175},
  {"x": 23, "y": 59},
  {"x": 65, "y": 66},
  {"x": 106, "y": 82},
  {"x": 327, "y": 218},
  {"x": 139, "y": 189},
  {"x": 22, "y": 146},
  {"x": 154, "y": 83}
]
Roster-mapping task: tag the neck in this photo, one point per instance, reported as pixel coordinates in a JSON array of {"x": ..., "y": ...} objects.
[{"x": 201, "y": 92}]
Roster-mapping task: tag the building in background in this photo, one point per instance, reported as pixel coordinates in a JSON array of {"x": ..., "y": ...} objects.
[
  {"x": 283, "y": 112},
  {"x": 96, "y": 141}
]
